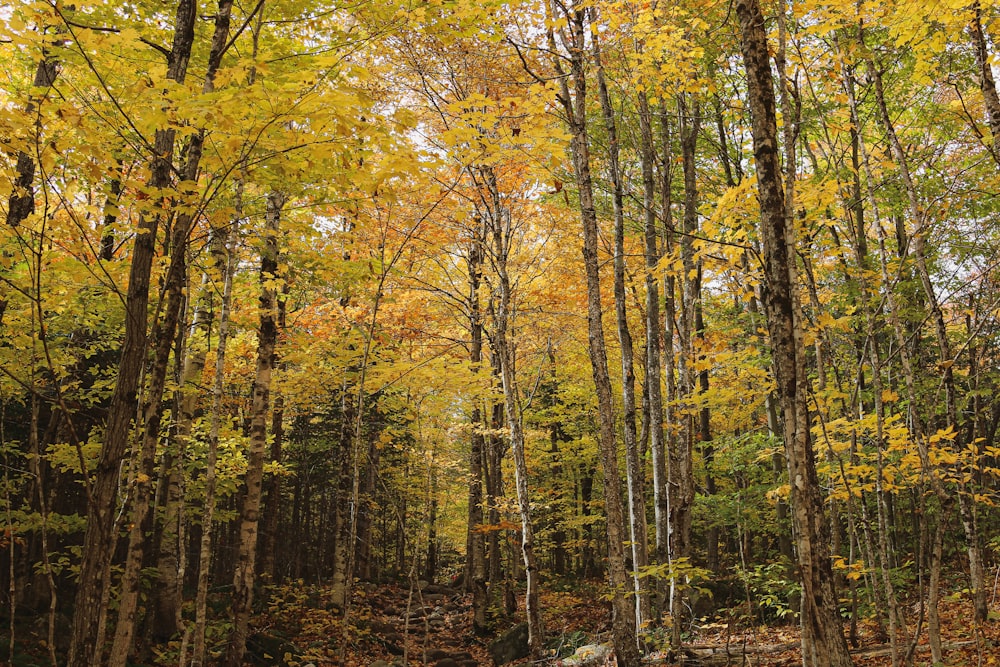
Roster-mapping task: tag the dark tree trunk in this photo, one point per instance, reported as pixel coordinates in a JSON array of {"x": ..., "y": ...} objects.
[
  {"x": 984, "y": 74},
  {"x": 823, "y": 641},
  {"x": 99, "y": 539},
  {"x": 476, "y": 573}
]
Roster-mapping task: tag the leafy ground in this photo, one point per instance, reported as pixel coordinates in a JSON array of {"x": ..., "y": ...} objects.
[{"x": 302, "y": 623}]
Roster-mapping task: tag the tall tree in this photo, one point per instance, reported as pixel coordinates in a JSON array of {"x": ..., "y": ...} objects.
[
  {"x": 574, "y": 105},
  {"x": 823, "y": 641},
  {"x": 244, "y": 576},
  {"x": 99, "y": 540}
]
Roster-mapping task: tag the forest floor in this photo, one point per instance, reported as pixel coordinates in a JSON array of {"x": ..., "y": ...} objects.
[{"x": 433, "y": 627}]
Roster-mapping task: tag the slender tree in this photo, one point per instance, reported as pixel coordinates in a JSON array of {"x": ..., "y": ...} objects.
[{"x": 823, "y": 641}]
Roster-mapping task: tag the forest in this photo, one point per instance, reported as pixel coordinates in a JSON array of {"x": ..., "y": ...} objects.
[{"x": 454, "y": 332}]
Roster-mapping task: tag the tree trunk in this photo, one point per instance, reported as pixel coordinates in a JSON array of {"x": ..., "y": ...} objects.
[
  {"x": 476, "y": 572},
  {"x": 100, "y": 539},
  {"x": 273, "y": 486},
  {"x": 575, "y": 105},
  {"x": 945, "y": 361},
  {"x": 500, "y": 225},
  {"x": 984, "y": 74},
  {"x": 633, "y": 465},
  {"x": 653, "y": 387},
  {"x": 245, "y": 572},
  {"x": 21, "y": 202},
  {"x": 681, "y": 471},
  {"x": 163, "y": 337},
  {"x": 823, "y": 641},
  {"x": 227, "y": 266},
  {"x": 168, "y": 590}
]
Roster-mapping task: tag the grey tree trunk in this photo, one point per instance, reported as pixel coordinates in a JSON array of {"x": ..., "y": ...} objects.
[
  {"x": 681, "y": 460},
  {"x": 228, "y": 265},
  {"x": 633, "y": 464},
  {"x": 654, "y": 338},
  {"x": 500, "y": 228},
  {"x": 574, "y": 106},
  {"x": 917, "y": 248},
  {"x": 984, "y": 74}
]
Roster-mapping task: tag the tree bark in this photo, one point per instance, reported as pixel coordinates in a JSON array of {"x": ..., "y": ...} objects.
[
  {"x": 476, "y": 572},
  {"x": 273, "y": 486},
  {"x": 681, "y": 471},
  {"x": 823, "y": 641},
  {"x": 245, "y": 572},
  {"x": 500, "y": 227},
  {"x": 633, "y": 465},
  {"x": 227, "y": 266},
  {"x": 653, "y": 389},
  {"x": 984, "y": 74},
  {"x": 99, "y": 539},
  {"x": 163, "y": 338},
  {"x": 574, "y": 106},
  {"x": 917, "y": 247}
]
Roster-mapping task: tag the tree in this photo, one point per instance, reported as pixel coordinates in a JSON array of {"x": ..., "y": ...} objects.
[
  {"x": 822, "y": 637},
  {"x": 574, "y": 107}
]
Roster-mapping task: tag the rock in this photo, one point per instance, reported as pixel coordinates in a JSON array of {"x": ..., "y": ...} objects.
[
  {"x": 437, "y": 589},
  {"x": 381, "y": 627},
  {"x": 513, "y": 645},
  {"x": 268, "y": 649},
  {"x": 591, "y": 654}
]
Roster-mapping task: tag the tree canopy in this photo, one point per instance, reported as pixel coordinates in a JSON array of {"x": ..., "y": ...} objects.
[{"x": 692, "y": 306}]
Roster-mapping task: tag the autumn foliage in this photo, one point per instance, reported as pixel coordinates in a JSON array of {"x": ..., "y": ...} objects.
[{"x": 690, "y": 308}]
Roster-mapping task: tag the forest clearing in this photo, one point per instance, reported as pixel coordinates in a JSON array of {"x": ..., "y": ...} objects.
[{"x": 454, "y": 333}]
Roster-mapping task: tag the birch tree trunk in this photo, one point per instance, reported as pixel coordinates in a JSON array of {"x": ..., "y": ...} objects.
[
  {"x": 500, "y": 228},
  {"x": 681, "y": 472},
  {"x": 227, "y": 267},
  {"x": 917, "y": 247},
  {"x": 653, "y": 388},
  {"x": 984, "y": 74},
  {"x": 575, "y": 106},
  {"x": 633, "y": 465}
]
